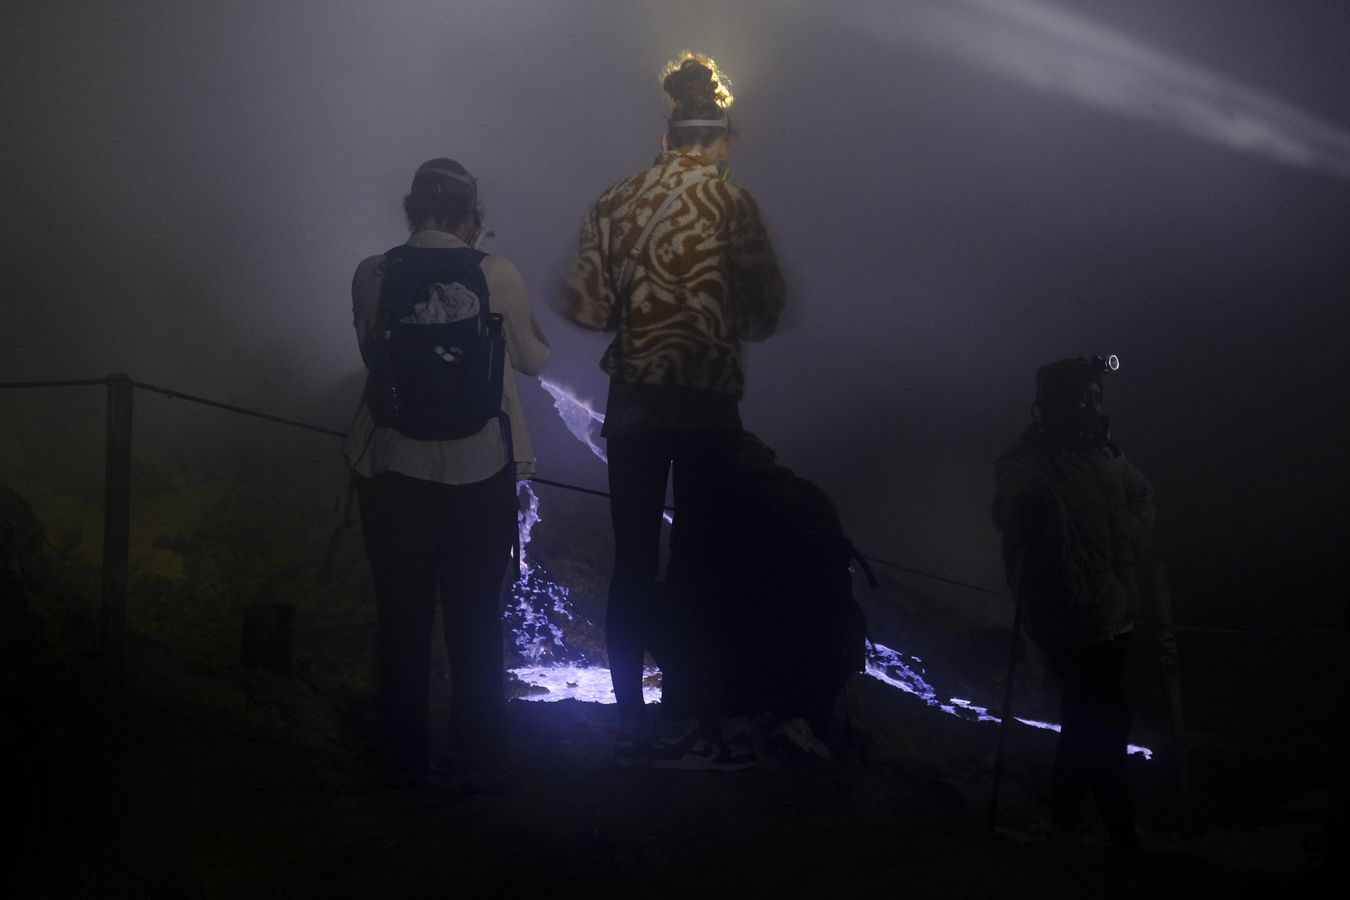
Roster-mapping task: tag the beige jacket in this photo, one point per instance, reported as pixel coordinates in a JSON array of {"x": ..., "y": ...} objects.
[{"x": 372, "y": 450}]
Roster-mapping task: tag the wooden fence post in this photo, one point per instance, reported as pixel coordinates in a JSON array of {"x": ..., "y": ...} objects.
[
  {"x": 1171, "y": 666},
  {"x": 116, "y": 524}
]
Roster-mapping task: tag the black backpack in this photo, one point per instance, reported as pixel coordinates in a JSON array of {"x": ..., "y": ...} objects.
[
  {"x": 438, "y": 358},
  {"x": 785, "y": 631}
]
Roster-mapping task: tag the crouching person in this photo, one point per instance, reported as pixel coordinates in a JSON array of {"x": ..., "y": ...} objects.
[
  {"x": 1075, "y": 515},
  {"x": 437, "y": 445}
]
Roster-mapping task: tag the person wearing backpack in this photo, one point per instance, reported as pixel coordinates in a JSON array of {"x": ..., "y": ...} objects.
[
  {"x": 437, "y": 445},
  {"x": 676, "y": 261},
  {"x": 1075, "y": 516}
]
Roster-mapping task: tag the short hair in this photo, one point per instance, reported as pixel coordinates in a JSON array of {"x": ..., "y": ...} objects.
[{"x": 444, "y": 191}]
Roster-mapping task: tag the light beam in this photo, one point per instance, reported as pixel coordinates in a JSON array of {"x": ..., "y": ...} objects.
[{"x": 1046, "y": 48}]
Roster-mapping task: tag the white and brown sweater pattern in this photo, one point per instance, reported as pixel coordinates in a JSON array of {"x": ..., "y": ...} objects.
[{"x": 706, "y": 279}]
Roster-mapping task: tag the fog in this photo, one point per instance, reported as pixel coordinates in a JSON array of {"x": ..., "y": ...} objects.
[{"x": 958, "y": 191}]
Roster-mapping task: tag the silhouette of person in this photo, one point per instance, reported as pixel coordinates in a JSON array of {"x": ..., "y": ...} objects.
[
  {"x": 1075, "y": 515},
  {"x": 703, "y": 279},
  {"x": 439, "y": 516}
]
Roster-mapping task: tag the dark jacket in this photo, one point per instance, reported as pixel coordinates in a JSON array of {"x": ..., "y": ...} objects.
[{"x": 1073, "y": 525}]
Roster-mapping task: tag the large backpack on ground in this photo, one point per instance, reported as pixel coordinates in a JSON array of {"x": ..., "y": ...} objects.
[
  {"x": 776, "y": 623},
  {"x": 438, "y": 359}
]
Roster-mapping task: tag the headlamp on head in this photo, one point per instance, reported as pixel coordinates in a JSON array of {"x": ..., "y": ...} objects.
[
  {"x": 435, "y": 180},
  {"x": 1106, "y": 364},
  {"x": 1059, "y": 384},
  {"x": 1064, "y": 406}
]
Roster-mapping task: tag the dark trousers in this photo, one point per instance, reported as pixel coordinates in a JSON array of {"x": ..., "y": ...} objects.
[
  {"x": 698, "y": 461},
  {"x": 1094, "y": 732},
  {"x": 431, "y": 543}
]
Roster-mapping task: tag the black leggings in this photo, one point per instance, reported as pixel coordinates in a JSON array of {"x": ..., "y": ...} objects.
[
  {"x": 638, "y": 467},
  {"x": 1091, "y": 754},
  {"x": 431, "y": 544}
]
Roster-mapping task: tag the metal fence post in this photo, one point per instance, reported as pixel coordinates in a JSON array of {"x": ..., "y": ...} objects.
[{"x": 116, "y": 523}]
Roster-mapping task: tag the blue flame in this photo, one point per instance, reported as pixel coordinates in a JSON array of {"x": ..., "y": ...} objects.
[
  {"x": 540, "y": 609},
  {"x": 579, "y": 416}
]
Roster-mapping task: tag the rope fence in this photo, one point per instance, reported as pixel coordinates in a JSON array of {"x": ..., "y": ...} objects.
[
  {"x": 179, "y": 395},
  {"x": 115, "y": 380},
  {"x": 116, "y": 566},
  {"x": 47, "y": 384}
]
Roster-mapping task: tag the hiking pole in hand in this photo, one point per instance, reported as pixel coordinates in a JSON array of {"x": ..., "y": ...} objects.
[{"x": 1005, "y": 715}]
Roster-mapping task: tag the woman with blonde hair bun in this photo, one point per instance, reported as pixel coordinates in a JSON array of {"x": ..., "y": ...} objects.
[{"x": 676, "y": 262}]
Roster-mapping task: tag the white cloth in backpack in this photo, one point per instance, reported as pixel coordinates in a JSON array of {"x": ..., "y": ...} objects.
[{"x": 445, "y": 303}]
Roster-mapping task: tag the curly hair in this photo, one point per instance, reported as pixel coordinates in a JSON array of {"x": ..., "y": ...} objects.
[{"x": 696, "y": 93}]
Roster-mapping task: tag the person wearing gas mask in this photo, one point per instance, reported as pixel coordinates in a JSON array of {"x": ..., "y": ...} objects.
[{"x": 1075, "y": 516}]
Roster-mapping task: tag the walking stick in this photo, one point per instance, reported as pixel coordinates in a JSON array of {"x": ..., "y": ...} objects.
[
  {"x": 1005, "y": 714},
  {"x": 1171, "y": 667}
]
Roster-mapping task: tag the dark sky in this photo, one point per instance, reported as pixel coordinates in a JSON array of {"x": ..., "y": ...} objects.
[{"x": 959, "y": 190}]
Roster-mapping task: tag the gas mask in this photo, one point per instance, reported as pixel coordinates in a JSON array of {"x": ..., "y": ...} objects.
[
  {"x": 1069, "y": 402},
  {"x": 1087, "y": 428}
]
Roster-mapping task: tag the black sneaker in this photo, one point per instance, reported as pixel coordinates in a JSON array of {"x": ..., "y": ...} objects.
[
  {"x": 633, "y": 743},
  {"x": 696, "y": 753},
  {"x": 631, "y": 752}
]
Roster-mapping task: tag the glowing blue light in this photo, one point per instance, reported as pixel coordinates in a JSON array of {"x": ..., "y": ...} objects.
[
  {"x": 582, "y": 419},
  {"x": 579, "y": 416},
  {"x": 893, "y": 667},
  {"x": 558, "y": 672}
]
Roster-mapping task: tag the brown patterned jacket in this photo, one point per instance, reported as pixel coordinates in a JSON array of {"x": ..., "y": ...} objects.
[{"x": 706, "y": 279}]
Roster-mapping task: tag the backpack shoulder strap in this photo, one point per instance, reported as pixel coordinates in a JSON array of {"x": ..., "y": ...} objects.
[
  {"x": 635, "y": 250},
  {"x": 392, "y": 257},
  {"x": 404, "y": 255}
]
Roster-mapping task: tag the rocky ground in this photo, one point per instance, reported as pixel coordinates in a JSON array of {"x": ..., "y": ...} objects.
[
  {"x": 231, "y": 784},
  {"x": 195, "y": 776}
]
